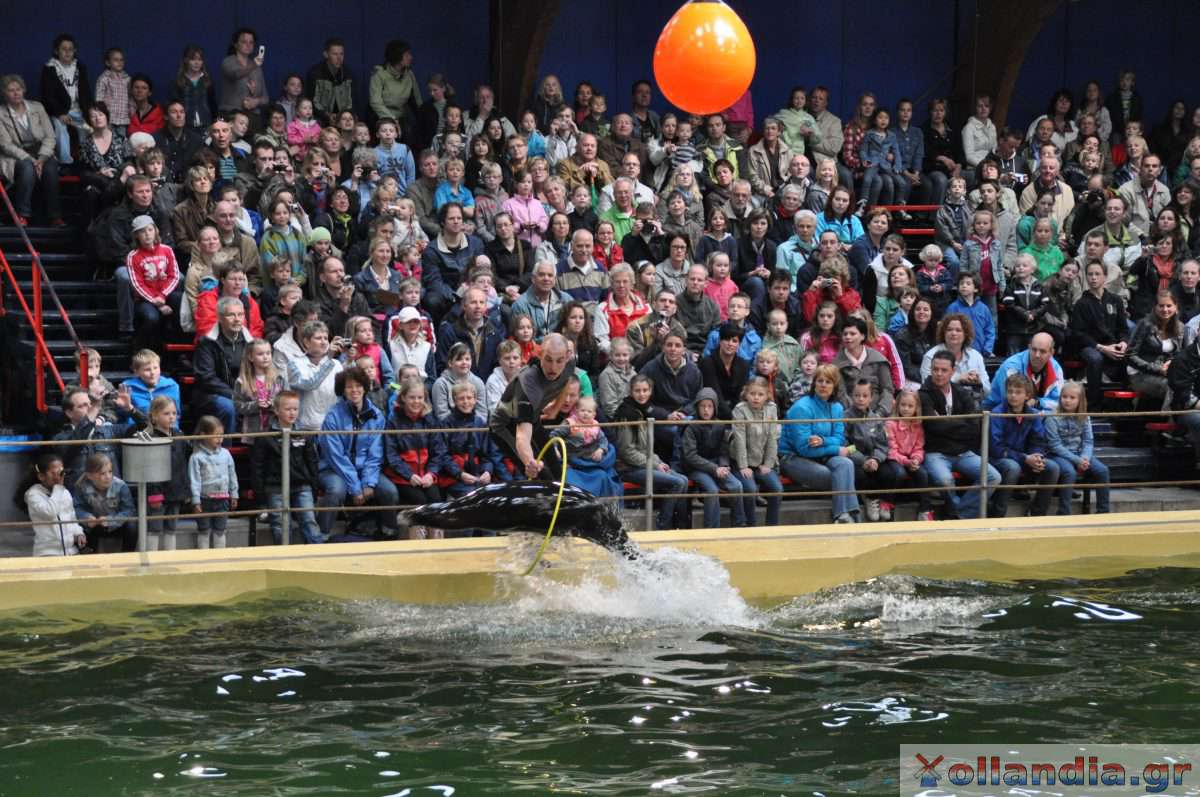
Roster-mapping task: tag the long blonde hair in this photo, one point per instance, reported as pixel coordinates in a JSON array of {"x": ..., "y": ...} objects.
[{"x": 246, "y": 376}]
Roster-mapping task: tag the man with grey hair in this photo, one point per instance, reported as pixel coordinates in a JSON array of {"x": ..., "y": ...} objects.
[
  {"x": 580, "y": 275},
  {"x": 518, "y": 422},
  {"x": 631, "y": 167},
  {"x": 542, "y": 301},
  {"x": 737, "y": 208},
  {"x": 584, "y": 168},
  {"x": 697, "y": 312},
  {"x": 218, "y": 361},
  {"x": 1048, "y": 182},
  {"x": 476, "y": 329},
  {"x": 620, "y": 214}
]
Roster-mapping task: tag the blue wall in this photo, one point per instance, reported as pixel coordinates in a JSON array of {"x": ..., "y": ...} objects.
[
  {"x": 611, "y": 43},
  {"x": 451, "y": 38}
]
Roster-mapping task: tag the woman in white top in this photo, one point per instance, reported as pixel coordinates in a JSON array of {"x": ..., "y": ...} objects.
[
  {"x": 56, "y": 532},
  {"x": 313, "y": 375},
  {"x": 955, "y": 333}
]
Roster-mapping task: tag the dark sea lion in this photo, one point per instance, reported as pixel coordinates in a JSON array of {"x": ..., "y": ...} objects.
[{"x": 527, "y": 506}]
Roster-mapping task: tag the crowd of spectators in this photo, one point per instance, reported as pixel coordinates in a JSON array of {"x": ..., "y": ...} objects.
[{"x": 423, "y": 262}]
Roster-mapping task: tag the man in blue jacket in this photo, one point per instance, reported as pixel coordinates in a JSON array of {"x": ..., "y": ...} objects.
[
  {"x": 1038, "y": 364},
  {"x": 350, "y": 464}
]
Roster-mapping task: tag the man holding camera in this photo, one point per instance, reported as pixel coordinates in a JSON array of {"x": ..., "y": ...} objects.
[
  {"x": 1014, "y": 168},
  {"x": 335, "y": 294},
  {"x": 645, "y": 335},
  {"x": 646, "y": 240}
]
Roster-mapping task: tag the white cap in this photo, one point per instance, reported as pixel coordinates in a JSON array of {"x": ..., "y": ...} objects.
[{"x": 409, "y": 314}]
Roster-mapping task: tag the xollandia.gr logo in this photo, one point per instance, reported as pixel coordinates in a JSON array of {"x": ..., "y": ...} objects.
[{"x": 1069, "y": 770}]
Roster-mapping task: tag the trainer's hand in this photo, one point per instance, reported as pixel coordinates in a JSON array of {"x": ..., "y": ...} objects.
[{"x": 532, "y": 468}]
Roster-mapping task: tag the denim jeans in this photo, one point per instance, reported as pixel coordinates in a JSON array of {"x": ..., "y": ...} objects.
[
  {"x": 834, "y": 473},
  {"x": 666, "y": 483},
  {"x": 304, "y": 523},
  {"x": 1097, "y": 472},
  {"x": 940, "y": 468},
  {"x": 712, "y": 505},
  {"x": 952, "y": 260},
  {"x": 153, "y": 328},
  {"x": 62, "y": 134},
  {"x": 938, "y": 182},
  {"x": 768, "y": 483},
  {"x": 1191, "y": 424},
  {"x": 1010, "y": 473},
  {"x": 210, "y": 531},
  {"x": 124, "y": 300},
  {"x": 335, "y": 492},
  {"x": 25, "y": 179}
]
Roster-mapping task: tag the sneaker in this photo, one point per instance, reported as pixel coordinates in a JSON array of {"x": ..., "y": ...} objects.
[
  {"x": 860, "y": 208},
  {"x": 872, "y": 509},
  {"x": 885, "y": 510},
  {"x": 845, "y": 517},
  {"x": 904, "y": 215},
  {"x": 928, "y": 515}
]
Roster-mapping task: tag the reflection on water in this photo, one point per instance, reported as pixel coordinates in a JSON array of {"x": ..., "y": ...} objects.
[{"x": 655, "y": 678}]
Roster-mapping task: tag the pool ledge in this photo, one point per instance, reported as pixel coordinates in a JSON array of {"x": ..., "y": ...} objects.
[{"x": 765, "y": 563}]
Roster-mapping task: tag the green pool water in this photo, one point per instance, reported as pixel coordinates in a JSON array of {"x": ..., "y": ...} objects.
[{"x": 663, "y": 682}]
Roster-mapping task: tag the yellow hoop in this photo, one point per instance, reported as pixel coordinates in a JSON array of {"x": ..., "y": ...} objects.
[{"x": 562, "y": 486}]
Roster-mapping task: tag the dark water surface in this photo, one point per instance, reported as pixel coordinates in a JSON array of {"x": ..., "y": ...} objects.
[{"x": 657, "y": 684}]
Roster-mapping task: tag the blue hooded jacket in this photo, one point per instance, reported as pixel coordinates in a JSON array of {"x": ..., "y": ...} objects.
[{"x": 356, "y": 458}]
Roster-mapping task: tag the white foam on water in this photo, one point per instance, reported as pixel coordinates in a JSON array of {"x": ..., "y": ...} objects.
[{"x": 889, "y": 603}]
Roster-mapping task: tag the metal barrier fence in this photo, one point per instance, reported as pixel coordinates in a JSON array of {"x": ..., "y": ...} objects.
[{"x": 647, "y": 496}]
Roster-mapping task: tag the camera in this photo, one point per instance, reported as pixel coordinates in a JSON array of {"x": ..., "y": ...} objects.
[
  {"x": 280, "y": 167},
  {"x": 826, "y": 282}
]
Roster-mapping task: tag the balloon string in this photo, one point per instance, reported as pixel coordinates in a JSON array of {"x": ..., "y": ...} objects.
[{"x": 562, "y": 486}]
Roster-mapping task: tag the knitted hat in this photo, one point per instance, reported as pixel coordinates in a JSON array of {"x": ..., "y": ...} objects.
[{"x": 319, "y": 234}]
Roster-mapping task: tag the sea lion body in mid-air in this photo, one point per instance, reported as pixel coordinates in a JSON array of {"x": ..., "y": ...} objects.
[{"x": 527, "y": 506}]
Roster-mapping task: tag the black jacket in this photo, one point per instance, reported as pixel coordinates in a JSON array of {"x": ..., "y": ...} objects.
[
  {"x": 748, "y": 257},
  {"x": 705, "y": 447},
  {"x": 1184, "y": 378},
  {"x": 795, "y": 315},
  {"x": 55, "y": 96},
  {"x": 112, "y": 232},
  {"x": 728, "y": 384},
  {"x": 1095, "y": 321},
  {"x": 952, "y": 437},
  {"x": 266, "y": 464},
  {"x": 217, "y": 365},
  {"x": 178, "y": 152}
]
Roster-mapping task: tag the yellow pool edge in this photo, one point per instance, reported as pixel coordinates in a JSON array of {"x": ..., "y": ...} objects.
[{"x": 765, "y": 563}]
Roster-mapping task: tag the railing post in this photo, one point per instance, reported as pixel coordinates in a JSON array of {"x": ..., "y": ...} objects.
[
  {"x": 39, "y": 386},
  {"x": 649, "y": 489},
  {"x": 285, "y": 485},
  {"x": 986, "y": 428}
]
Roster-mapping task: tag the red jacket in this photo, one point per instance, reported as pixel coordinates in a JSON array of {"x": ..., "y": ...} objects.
[
  {"x": 151, "y": 123},
  {"x": 848, "y": 302},
  {"x": 153, "y": 272},
  {"x": 205, "y": 316}
]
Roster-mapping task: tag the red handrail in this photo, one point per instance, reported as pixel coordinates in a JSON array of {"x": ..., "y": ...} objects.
[{"x": 40, "y": 349}]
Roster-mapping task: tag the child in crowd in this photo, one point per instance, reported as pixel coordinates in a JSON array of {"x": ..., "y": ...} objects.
[
  {"x": 51, "y": 510},
  {"x": 452, "y": 189},
  {"x": 490, "y": 197},
  {"x": 685, "y": 155},
  {"x": 415, "y": 459},
  {"x": 754, "y": 449},
  {"x": 584, "y": 438},
  {"x": 508, "y": 357},
  {"x": 482, "y": 277},
  {"x": 521, "y": 333},
  {"x": 279, "y": 322},
  {"x": 787, "y": 349},
  {"x": 472, "y": 459},
  {"x": 1018, "y": 447},
  {"x": 906, "y": 448},
  {"x": 360, "y": 331},
  {"x": 112, "y": 89},
  {"x": 394, "y": 159},
  {"x": 1069, "y": 440},
  {"x": 716, "y": 239},
  {"x": 868, "y": 443},
  {"x": 257, "y": 385},
  {"x": 320, "y": 247},
  {"x": 825, "y": 335},
  {"x": 303, "y": 131},
  {"x": 103, "y": 503},
  {"x": 1045, "y": 252},
  {"x": 737, "y": 310},
  {"x": 581, "y": 215},
  {"x": 802, "y": 384},
  {"x": 1042, "y": 209},
  {"x": 705, "y": 455},
  {"x": 378, "y": 394},
  {"x": 900, "y": 278},
  {"x": 1024, "y": 304},
  {"x": 458, "y": 369},
  {"x": 935, "y": 280},
  {"x": 880, "y": 155},
  {"x": 969, "y": 304},
  {"x": 766, "y": 366},
  {"x": 280, "y": 274},
  {"x": 148, "y": 383},
  {"x": 266, "y": 468},
  {"x": 282, "y": 241},
  {"x": 534, "y": 138},
  {"x": 166, "y": 498},
  {"x": 407, "y": 232},
  {"x": 983, "y": 255},
  {"x": 720, "y": 287},
  {"x": 899, "y": 320},
  {"x": 1061, "y": 290},
  {"x": 612, "y": 385},
  {"x": 409, "y": 345},
  {"x": 157, "y": 285},
  {"x": 950, "y": 224},
  {"x": 103, "y": 393},
  {"x": 213, "y": 481},
  {"x": 596, "y": 122},
  {"x": 635, "y": 450},
  {"x": 408, "y": 265}
]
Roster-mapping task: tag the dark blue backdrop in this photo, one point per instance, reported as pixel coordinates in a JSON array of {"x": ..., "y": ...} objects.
[{"x": 891, "y": 48}]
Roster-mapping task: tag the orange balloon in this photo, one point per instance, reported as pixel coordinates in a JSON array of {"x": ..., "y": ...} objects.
[{"x": 704, "y": 60}]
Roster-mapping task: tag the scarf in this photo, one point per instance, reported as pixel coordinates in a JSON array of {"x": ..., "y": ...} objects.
[
  {"x": 630, "y": 410},
  {"x": 1165, "y": 269}
]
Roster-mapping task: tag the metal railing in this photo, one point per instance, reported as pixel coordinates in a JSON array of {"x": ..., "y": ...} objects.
[
  {"x": 38, "y": 276},
  {"x": 647, "y": 494}
]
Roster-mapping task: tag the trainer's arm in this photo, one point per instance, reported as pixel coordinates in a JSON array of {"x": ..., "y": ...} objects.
[{"x": 524, "y": 445}]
